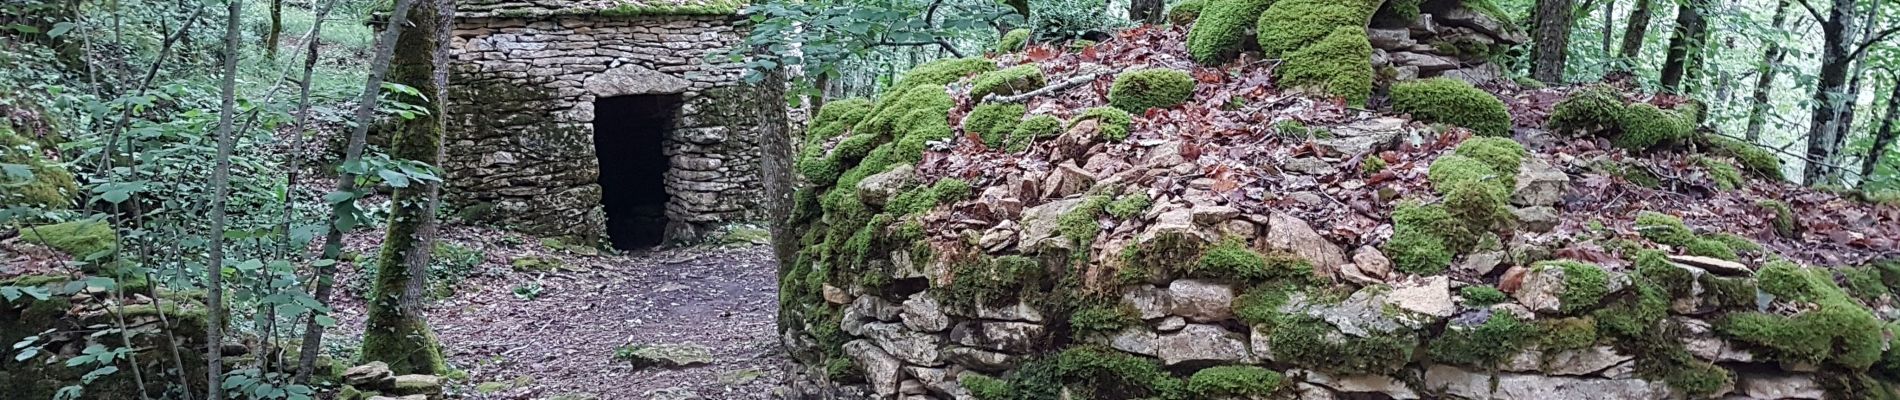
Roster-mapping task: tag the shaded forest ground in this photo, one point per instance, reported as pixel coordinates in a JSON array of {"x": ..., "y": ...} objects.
[{"x": 559, "y": 342}]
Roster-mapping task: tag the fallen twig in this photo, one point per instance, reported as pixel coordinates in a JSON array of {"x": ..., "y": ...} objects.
[{"x": 1059, "y": 86}]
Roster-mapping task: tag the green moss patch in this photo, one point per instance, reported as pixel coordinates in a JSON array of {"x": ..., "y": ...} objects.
[
  {"x": 1504, "y": 155},
  {"x": 1290, "y": 25},
  {"x": 30, "y": 179},
  {"x": 1245, "y": 381},
  {"x": 1478, "y": 295},
  {"x": 1645, "y": 126},
  {"x": 1483, "y": 345},
  {"x": 90, "y": 239},
  {"x": 1221, "y": 30},
  {"x": 1338, "y": 64},
  {"x": 1663, "y": 228},
  {"x": 1013, "y": 41},
  {"x": 1129, "y": 205},
  {"x": 941, "y": 72},
  {"x": 1030, "y": 130},
  {"x": 1567, "y": 333},
  {"x": 1784, "y": 221},
  {"x": 1453, "y": 102},
  {"x": 1008, "y": 81},
  {"x": 1725, "y": 175},
  {"x": 1138, "y": 91},
  {"x": 1113, "y": 122},
  {"x": 993, "y": 122},
  {"x": 1186, "y": 12},
  {"x": 1584, "y": 284},
  {"x": 1590, "y": 111},
  {"x": 1313, "y": 343},
  {"x": 1754, "y": 159},
  {"x": 1101, "y": 320},
  {"x": 1835, "y": 330},
  {"x": 1233, "y": 260}
]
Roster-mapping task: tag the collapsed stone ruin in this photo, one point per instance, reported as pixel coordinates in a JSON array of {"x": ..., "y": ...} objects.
[
  {"x": 1133, "y": 221},
  {"x": 588, "y": 120}
]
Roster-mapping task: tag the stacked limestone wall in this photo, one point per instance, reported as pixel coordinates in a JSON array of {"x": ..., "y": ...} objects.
[{"x": 522, "y": 93}]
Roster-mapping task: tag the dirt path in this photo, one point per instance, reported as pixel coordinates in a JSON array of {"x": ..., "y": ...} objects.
[{"x": 561, "y": 344}]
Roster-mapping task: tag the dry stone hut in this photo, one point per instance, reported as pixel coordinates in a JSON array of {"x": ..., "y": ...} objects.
[{"x": 584, "y": 120}]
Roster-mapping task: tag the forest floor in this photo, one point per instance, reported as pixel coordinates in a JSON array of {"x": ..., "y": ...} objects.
[{"x": 560, "y": 341}]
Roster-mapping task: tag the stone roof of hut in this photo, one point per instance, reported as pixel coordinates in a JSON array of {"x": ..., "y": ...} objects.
[{"x": 605, "y": 8}]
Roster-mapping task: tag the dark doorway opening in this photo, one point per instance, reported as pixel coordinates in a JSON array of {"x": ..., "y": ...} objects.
[{"x": 628, "y": 133}]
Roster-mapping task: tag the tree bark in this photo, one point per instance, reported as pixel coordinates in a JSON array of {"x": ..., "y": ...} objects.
[
  {"x": 1884, "y": 137},
  {"x": 1858, "y": 71},
  {"x": 1633, "y": 37},
  {"x": 353, "y": 153},
  {"x": 1684, "y": 43},
  {"x": 276, "y": 28},
  {"x": 1830, "y": 90},
  {"x": 1609, "y": 26},
  {"x": 220, "y": 189},
  {"x": 1550, "y": 30},
  {"x": 1147, "y": 11},
  {"x": 1765, "y": 77},
  {"x": 395, "y": 330}
]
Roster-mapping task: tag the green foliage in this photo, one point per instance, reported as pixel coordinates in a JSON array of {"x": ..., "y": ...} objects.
[
  {"x": 1372, "y": 165},
  {"x": 1645, "y": 126},
  {"x": 1013, "y": 41},
  {"x": 1234, "y": 381},
  {"x": 1129, "y": 205},
  {"x": 1008, "y": 81},
  {"x": 1592, "y": 110},
  {"x": 1726, "y": 176},
  {"x": 984, "y": 387},
  {"x": 1453, "y": 102},
  {"x": 1139, "y": 90},
  {"x": 1079, "y": 225},
  {"x": 89, "y": 239},
  {"x": 1480, "y": 295},
  {"x": 1220, "y": 30},
  {"x": 1186, "y": 12},
  {"x": 1483, "y": 345},
  {"x": 1114, "y": 122},
  {"x": 1338, "y": 64},
  {"x": 1290, "y": 25},
  {"x": 993, "y": 122}
]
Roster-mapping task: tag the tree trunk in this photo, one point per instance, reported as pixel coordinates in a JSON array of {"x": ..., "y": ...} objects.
[
  {"x": 1858, "y": 70},
  {"x": 276, "y": 28},
  {"x": 352, "y": 153},
  {"x": 1550, "y": 30},
  {"x": 220, "y": 189},
  {"x": 1883, "y": 138},
  {"x": 396, "y": 332},
  {"x": 1147, "y": 11},
  {"x": 1684, "y": 43},
  {"x": 1765, "y": 77},
  {"x": 1830, "y": 89},
  {"x": 1633, "y": 37},
  {"x": 1609, "y": 26}
]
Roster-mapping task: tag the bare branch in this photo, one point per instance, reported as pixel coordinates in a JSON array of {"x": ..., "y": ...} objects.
[
  {"x": 1812, "y": 11},
  {"x": 1871, "y": 40}
]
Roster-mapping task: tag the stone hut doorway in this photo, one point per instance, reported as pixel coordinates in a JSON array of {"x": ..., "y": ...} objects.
[{"x": 629, "y": 140}]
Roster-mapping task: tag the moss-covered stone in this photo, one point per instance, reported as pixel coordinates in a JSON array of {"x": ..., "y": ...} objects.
[
  {"x": 1567, "y": 333},
  {"x": 1372, "y": 165},
  {"x": 1754, "y": 159},
  {"x": 1098, "y": 372},
  {"x": 1397, "y": 13},
  {"x": 1101, "y": 320},
  {"x": 1139, "y": 90},
  {"x": 1313, "y": 343},
  {"x": 1453, "y": 102},
  {"x": 1129, "y": 205},
  {"x": 1590, "y": 111},
  {"x": 1234, "y": 260},
  {"x": 1710, "y": 248},
  {"x": 1480, "y": 295},
  {"x": 41, "y": 184},
  {"x": 993, "y": 122},
  {"x": 1030, "y": 130},
  {"x": 1483, "y": 345},
  {"x": 1502, "y": 154},
  {"x": 1663, "y": 228},
  {"x": 1221, "y": 29},
  {"x": 1013, "y": 41},
  {"x": 1000, "y": 280},
  {"x": 1290, "y": 25},
  {"x": 941, "y": 72},
  {"x": 1480, "y": 206},
  {"x": 1418, "y": 252},
  {"x": 1783, "y": 220},
  {"x": 1186, "y": 12},
  {"x": 1113, "y": 122},
  {"x": 918, "y": 201},
  {"x": 1645, "y": 126},
  {"x": 1338, "y": 64},
  {"x": 1725, "y": 175},
  {"x": 835, "y": 118},
  {"x": 1234, "y": 381},
  {"x": 89, "y": 239},
  {"x": 1833, "y": 330},
  {"x": 1007, "y": 81},
  {"x": 1584, "y": 284},
  {"x": 1448, "y": 171}
]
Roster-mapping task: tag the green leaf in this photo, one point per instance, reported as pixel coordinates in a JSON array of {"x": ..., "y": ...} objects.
[
  {"x": 60, "y": 29},
  {"x": 395, "y": 178}
]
